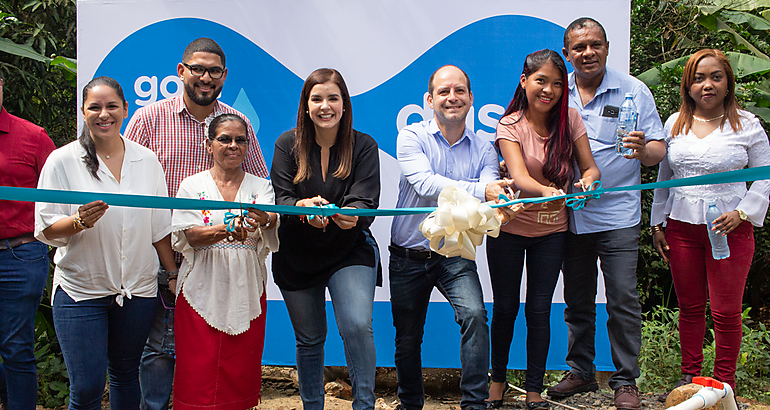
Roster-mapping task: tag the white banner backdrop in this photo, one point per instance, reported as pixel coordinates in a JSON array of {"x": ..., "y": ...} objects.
[{"x": 386, "y": 51}]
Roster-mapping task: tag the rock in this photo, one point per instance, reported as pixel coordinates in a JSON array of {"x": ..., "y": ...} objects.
[
  {"x": 281, "y": 374},
  {"x": 339, "y": 389},
  {"x": 680, "y": 394},
  {"x": 381, "y": 405}
]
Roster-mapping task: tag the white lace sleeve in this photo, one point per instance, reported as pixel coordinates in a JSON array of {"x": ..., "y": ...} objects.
[
  {"x": 658, "y": 213},
  {"x": 756, "y": 200}
]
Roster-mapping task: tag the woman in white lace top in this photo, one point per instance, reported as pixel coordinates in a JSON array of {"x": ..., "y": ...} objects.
[
  {"x": 709, "y": 135},
  {"x": 221, "y": 302}
]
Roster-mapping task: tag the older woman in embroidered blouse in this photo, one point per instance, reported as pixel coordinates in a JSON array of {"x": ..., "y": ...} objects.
[
  {"x": 709, "y": 135},
  {"x": 220, "y": 310}
]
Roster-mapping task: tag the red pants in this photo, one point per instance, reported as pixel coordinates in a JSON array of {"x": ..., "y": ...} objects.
[{"x": 698, "y": 278}]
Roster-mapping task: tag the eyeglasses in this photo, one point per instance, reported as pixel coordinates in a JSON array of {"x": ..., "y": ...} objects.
[
  {"x": 199, "y": 71},
  {"x": 227, "y": 140}
]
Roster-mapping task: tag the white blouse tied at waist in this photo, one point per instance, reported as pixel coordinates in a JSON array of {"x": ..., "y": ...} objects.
[
  {"x": 223, "y": 282},
  {"x": 116, "y": 256},
  {"x": 722, "y": 150}
]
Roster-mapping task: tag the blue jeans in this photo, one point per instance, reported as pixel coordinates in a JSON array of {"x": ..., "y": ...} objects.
[
  {"x": 352, "y": 293},
  {"x": 156, "y": 370},
  {"x": 96, "y": 337},
  {"x": 411, "y": 283},
  {"x": 23, "y": 276},
  {"x": 505, "y": 256},
  {"x": 618, "y": 251}
]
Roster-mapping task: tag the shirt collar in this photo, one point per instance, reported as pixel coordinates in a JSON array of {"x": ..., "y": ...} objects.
[
  {"x": 180, "y": 107},
  {"x": 610, "y": 81},
  {"x": 435, "y": 131}
]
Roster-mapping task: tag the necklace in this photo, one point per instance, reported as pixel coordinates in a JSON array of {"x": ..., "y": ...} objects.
[{"x": 697, "y": 119}]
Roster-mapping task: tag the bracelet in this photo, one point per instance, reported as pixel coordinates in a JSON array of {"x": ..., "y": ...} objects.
[
  {"x": 270, "y": 221},
  {"x": 78, "y": 223},
  {"x": 655, "y": 229},
  {"x": 173, "y": 274}
]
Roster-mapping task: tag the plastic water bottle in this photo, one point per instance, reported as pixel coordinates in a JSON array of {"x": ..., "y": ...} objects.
[
  {"x": 719, "y": 248},
  {"x": 626, "y": 123}
]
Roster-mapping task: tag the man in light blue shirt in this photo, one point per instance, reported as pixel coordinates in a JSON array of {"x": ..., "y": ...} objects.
[
  {"x": 607, "y": 228},
  {"x": 433, "y": 155}
]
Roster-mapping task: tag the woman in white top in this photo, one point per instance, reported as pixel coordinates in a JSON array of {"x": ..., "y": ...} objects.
[
  {"x": 220, "y": 311},
  {"x": 105, "y": 282},
  {"x": 709, "y": 135}
]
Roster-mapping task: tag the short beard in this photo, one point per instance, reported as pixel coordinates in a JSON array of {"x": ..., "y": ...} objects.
[{"x": 202, "y": 101}]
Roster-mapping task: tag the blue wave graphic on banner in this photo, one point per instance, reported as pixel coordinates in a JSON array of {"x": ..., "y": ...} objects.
[{"x": 491, "y": 51}]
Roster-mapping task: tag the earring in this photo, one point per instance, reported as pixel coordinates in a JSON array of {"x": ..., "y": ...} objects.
[{"x": 307, "y": 112}]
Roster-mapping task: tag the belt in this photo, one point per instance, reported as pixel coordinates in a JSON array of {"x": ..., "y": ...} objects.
[
  {"x": 412, "y": 253},
  {"x": 17, "y": 241}
]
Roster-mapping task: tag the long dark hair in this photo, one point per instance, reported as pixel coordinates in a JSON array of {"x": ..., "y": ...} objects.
[
  {"x": 558, "y": 147},
  {"x": 304, "y": 135},
  {"x": 90, "y": 158},
  {"x": 684, "y": 122}
]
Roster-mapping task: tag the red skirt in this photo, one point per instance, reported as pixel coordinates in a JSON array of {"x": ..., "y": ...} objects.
[{"x": 214, "y": 370}]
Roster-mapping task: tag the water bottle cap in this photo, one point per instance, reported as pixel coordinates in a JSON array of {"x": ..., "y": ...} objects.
[{"x": 629, "y": 95}]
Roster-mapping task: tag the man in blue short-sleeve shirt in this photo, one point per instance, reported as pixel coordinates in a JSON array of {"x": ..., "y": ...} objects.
[{"x": 607, "y": 228}]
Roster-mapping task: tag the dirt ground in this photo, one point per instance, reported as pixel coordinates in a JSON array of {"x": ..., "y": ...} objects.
[{"x": 279, "y": 392}]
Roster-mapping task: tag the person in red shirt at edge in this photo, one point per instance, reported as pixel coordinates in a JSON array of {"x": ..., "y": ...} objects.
[{"x": 24, "y": 148}]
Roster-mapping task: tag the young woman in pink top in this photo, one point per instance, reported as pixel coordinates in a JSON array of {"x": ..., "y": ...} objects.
[{"x": 540, "y": 138}]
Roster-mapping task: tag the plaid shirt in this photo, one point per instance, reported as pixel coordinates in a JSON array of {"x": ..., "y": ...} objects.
[{"x": 179, "y": 140}]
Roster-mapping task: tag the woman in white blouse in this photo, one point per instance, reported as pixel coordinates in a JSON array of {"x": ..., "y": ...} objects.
[
  {"x": 105, "y": 281},
  {"x": 710, "y": 134},
  {"x": 220, "y": 311}
]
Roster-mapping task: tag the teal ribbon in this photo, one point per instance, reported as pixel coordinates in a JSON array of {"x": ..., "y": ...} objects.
[
  {"x": 329, "y": 206},
  {"x": 230, "y": 220},
  {"x": 147, "y": 201},
  {"x": 579, "y": 203},
  {"x": 740, "y": 175}
]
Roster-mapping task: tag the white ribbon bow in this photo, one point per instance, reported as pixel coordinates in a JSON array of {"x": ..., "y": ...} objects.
[{"x": 460, "y": 221}]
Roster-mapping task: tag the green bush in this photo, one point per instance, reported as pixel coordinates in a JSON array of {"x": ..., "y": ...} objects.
[
  {"x": 52, "y": 378},
  {"x": 660, "y": 356}
]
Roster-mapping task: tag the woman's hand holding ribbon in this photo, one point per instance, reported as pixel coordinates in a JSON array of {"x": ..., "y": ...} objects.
[
  {"x": 237, "y": 227},
  {"x": 91, "y": 212},
  {"x": 345, "y": 221},
  {"x": 255, "y": 217},
  {"x": 579, "y": 202},
  {"x": 319, "y": 222}
]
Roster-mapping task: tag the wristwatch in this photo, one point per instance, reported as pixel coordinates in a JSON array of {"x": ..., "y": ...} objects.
[{"x": 742, "y": 215}]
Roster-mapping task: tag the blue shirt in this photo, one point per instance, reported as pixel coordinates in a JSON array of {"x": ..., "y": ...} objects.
[
  {"x": 614, "y": 210},
  {"x": 428, "y": 165}
]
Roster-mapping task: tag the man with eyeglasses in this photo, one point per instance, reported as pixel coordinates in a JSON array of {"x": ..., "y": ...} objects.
[{"x": 175, "y": 129}]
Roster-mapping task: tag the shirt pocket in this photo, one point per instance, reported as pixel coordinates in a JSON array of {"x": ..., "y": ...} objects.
[{"x": 607, "y": 131}]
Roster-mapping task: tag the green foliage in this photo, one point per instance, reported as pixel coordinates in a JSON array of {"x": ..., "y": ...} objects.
[
  {"x": 753, "y": 372},
  {"x": 660, "y": 355},
  {"x": 52, "y": 378},
  {"x": 37, "y": 51}
]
